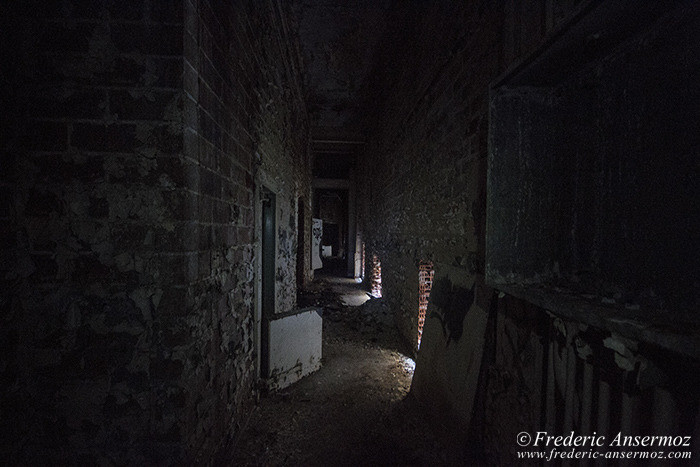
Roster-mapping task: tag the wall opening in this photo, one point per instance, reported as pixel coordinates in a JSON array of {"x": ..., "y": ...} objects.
[
  {"x": 425, "y": 283},
  {"x": 331, "y": 206},
  {"x": 375, "y": 277},
  {"x": 363, "y": 264},
  {"x": 331, "y": 240}
]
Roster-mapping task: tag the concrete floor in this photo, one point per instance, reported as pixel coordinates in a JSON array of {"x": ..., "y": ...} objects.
[
  {"x": 348, "y": 291},
  {"x": 356, "y": 410}
]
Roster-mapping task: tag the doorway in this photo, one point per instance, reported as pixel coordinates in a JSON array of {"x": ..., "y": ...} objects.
[
  {"x": 268, "y": 277},
  {"x": 301, "y": 237}
]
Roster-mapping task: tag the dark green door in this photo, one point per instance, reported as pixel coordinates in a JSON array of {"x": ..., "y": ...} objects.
[{"x": 268, "y": 277}]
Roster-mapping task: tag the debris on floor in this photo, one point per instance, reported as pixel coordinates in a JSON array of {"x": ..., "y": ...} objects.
[{"x": 356, "y": 409}]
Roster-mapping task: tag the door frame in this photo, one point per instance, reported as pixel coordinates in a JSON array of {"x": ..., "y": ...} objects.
[{"x": 262, "y": 185}]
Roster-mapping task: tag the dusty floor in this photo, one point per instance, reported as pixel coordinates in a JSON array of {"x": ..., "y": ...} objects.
[{"x": 355, "y": 410}]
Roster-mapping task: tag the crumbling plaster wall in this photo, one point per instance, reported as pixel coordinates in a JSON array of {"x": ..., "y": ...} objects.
[
  {"x": 245, "y": 127},
  {"x": 423, "y": 197},
  {"x": 92, "y": 170},
  {"x": 129, "y": 154}
]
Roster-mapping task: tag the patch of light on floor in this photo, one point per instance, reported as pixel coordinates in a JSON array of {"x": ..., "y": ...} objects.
[
  {"x": 354, "y": 299},
  {"x": 408, "y": 364}
]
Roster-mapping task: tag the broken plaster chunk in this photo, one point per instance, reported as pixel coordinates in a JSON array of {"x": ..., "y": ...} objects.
[
  {"x": 615, "y": 344},
  {"x": 624, "y": 362},
  {"x": 620, "y": 344},
  {"x": 624, "y": 356}
]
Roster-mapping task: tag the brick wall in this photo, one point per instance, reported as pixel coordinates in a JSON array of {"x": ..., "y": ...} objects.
[
  {"x": 427, "y": 200},
  {"x": 428, "y": 146},
  {"x": 244, "y": 128},
  {"x": 133, "y": 139},
  {"x": 424, "y": 199},
  {"x": 91, "y": 169}
]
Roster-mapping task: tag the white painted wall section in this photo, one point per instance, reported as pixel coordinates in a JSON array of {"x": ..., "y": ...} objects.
[
  {"x": 295, "y": 346},
  {"x": 317, "y": 233}
]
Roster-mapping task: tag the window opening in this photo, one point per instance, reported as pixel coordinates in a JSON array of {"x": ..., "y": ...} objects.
[
  {"x": 376, "y": 277},
  {"x": 425, "y": 283},
  {"x": 362, "y": 266}
]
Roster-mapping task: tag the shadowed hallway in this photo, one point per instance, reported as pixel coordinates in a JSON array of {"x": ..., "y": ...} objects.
[
  {"x": 226, "y": 226},
  {"x": 355, "y": 410}
]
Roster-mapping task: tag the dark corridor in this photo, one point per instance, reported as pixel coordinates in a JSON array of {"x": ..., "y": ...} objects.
[{"x": 506, "y": 193}]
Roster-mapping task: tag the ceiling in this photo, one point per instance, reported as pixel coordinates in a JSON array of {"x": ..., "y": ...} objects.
[{"x": 338, "y": 41}]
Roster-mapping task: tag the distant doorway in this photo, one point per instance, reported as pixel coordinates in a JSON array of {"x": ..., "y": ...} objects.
[{"x": 331, "y": 240}]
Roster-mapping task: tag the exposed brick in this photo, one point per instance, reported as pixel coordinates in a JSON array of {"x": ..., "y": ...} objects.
[
  {"x": 167, "y": 11},
  {"x": 86, "y": 104},
  {"x": 46, "y": 136},
  {"x": 89, "y": 170},
  {"x": 99, "y": 208},
  {"x": 131, "y": 10},
  {"x": 148, "y": 39},
  {"x": 60, "y": 37},
  {"x": 210, "y": 182},
  {"x": 165, "y": 72},
  {"x": 103, "y": 138},
  {"x": 129, "y": 237},
  {"x": 136, "y": 130},
  {"x": 183, "y": 204},
  {"x": 83, "y": 9},
  {"x": 6, "y": 198},
  {"x": 167, "y": 369},
  {"x": 150, "y": 105},
  {"x": 184, "y": 237},
  {"x": 45, "y": 268},
  {"x": 42, "y": 203},
  {"x": 175, "y": 302},
  {"x": 244, "y": 235}
]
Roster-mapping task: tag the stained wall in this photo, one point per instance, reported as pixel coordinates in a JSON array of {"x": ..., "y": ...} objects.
[
  {"x": 138, "y": 137},
  {"x": 494, "y": 363}
]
